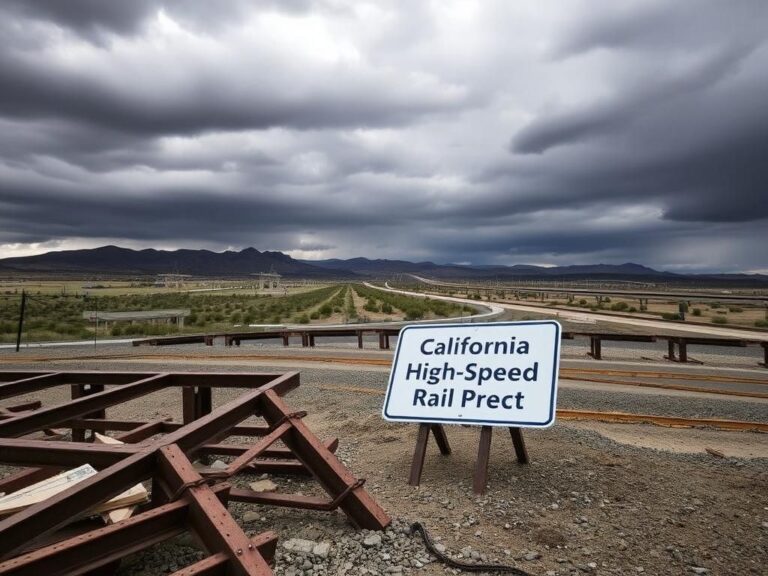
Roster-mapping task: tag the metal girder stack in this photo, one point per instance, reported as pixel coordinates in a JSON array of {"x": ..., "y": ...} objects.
[{"x": 47, "y": 538}]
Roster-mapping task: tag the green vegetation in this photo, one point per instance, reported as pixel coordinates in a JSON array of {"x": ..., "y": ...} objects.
[
  {"x": 671, "y": 316},
  {"x": 619, "y": 306},
  {"x": 697, "y": 311},
  {"x": 350, "y": 309},
  {"x": 57, "y": 317},
  {"x": 719, "y": 320},
  {"x": 413, "y": 308},
  {"x": 761, "y": 323}
]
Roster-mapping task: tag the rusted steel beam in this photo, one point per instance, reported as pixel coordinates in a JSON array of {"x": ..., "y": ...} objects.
[
  {"x": 288, "y": 467},
  {"x": 214, "y": 526},
  {"x": 218, "y": 423},
  {"x": 78, "y": 391},
  {"x": 233, "y": 380},
  {"x": 710, "y": 341},
  {"x": 166, "y": 426},
  {"x": 174, "y": 481},
  {"x": 277, "y": 499},
  {"x": 102, "y": 546},
  {"x": 625, "y": 337},
  {"x": 25, "y": 452},
  {"x": 24, "y": 478},
  {"x": 24, "y": 407},
  {"x": 48, "y": 417},
  {"x": 265, "y": 543},
  {"x": 237, "y": 449},
  {"x": 47, "y": 516},
  {"x": 143, "y": 432},
  {"x": 239, "y": 463},
  {"x": 102, "y": 425},
  {"x": 325, "y": 467},
  {"x": 29, "y": 384},
  {"x": 13, "y": 375},
  {"x": 239, "y": 430},
  {"x": 93, "y": 549}
]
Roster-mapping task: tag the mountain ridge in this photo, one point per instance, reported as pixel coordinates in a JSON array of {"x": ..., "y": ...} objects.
[
  {"x": 125, "y": 261},
  {"x": 120, "y": 261}
]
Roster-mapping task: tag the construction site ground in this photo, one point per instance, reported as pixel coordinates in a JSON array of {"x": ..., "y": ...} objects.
[{"x": 597, "y": 497}]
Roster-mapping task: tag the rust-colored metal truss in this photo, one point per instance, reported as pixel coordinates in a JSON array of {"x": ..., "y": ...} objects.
[{"x": 51, "y": 538}]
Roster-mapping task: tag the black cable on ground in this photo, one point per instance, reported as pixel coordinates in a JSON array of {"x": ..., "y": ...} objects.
[{"x": 465, "y": 566}]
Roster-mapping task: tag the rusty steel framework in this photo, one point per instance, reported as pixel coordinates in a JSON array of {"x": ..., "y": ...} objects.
[{"x": 51, "y": 537}]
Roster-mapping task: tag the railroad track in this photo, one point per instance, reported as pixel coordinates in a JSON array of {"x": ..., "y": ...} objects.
[{"x": 613, "y": 417}]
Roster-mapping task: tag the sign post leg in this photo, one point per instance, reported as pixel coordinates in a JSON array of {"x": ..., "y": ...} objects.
[
  {"x": 417, "y": 464},
  {"x": 519, "y": 442},
  {"x": 441, "y": 439},
  {"x": 483, "y": 455}
]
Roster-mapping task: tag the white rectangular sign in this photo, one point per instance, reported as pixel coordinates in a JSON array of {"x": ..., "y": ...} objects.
[{"x": 497, "y": 374}]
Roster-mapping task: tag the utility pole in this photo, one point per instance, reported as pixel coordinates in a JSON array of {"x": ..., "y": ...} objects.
[{"x": 21, "y": 319}]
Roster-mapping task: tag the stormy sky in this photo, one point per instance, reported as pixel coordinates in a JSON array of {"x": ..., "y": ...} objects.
[{"x": 495, "y": 132}]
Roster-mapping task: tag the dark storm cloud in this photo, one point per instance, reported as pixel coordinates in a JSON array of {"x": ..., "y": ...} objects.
[
  {"x": 208, "y": 101},
  {"x": 94, "y": 18},
  {"x": 695, "y": 122},
  {"x": 619, "y": 114},
  {"x": 491, "y": 132},
  {"x": 663, "y": 26}
]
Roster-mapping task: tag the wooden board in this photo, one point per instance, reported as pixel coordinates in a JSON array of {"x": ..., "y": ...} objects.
[
  {"x": 123, "y": 513},
  {"x": 44, "y": 489},
  {"x": 40, "y": 491}
]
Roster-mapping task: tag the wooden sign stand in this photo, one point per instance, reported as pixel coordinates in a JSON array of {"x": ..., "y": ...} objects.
[{"x": 480, "y": 478}]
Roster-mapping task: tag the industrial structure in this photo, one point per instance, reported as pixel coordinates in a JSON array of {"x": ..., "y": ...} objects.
[
  {"x": 55, "y": 535},
  {"x": 172, "y": 316}
]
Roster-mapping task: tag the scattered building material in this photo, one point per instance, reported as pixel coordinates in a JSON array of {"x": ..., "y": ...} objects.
[
  {"x": 119, "y": 514},
  {"x": 161, "y": 451}
]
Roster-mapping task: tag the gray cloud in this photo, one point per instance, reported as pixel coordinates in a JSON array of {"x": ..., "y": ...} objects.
[
  {"x": 95, "y": 19},
  {"x": 498, "y": 133}
]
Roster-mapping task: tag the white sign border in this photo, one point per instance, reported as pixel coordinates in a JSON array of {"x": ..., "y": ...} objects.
[{"x": 513, "y": 424}]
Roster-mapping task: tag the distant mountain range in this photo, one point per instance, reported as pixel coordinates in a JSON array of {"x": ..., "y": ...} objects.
[
  {"x": 367, "y": 267},
  {"x": 115, "y": 261},
  {"x": 112, "y": 260}
]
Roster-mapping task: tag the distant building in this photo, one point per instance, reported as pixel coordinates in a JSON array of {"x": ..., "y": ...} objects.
[
  {"x": 270, "y": 281},
  {"x": 175, "y": 316},
  {"x": 170, "y": 280}
]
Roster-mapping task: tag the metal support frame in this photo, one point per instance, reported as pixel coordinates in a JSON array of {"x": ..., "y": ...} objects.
[
  {"x": 309, "y": 337},
  {"x": 480, "y": 475},
  {"x": 182, "y": 498}
]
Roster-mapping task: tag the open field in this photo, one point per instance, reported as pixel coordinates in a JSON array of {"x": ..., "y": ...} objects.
[
  {"x": 51, "y": 315},
  {"x": 748, "y": 314},
  {"x": 138, "y": 287}
]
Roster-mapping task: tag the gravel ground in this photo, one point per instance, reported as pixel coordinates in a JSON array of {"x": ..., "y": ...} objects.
[{"x": 585, "y": 504}]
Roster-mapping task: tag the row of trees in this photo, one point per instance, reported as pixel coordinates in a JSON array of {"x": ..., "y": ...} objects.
[{"x": 413, "y": 308}]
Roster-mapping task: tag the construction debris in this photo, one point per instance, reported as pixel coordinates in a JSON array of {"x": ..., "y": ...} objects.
[
  {"x": 263, "y": 486},
  {"x": 161, "y": 450}
]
